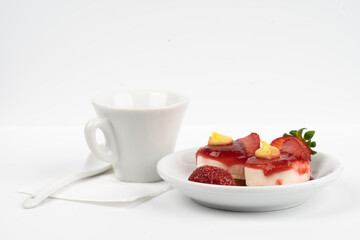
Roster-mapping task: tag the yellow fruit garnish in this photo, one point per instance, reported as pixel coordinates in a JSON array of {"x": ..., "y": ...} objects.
[
  {"x": 267, "y": 151},
  {"x": 218, "y": 139}
]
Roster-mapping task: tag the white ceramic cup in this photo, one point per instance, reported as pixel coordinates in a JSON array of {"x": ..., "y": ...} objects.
[{"x": 140, "y": 127}]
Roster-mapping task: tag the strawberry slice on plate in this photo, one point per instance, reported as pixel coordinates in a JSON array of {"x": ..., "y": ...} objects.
[
  {"x": 292, "y": 147},
  {"x": 212, "y": 175},
  {"x": 250, "y": 143},
  {"x": 305, "y": 141},
  {"x": 279, "y": 142}
]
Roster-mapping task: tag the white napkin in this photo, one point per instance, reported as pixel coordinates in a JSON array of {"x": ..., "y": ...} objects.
[{"x": 105, "y": 188}]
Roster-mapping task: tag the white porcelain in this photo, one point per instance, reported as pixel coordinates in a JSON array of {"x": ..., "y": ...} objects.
[
  {"x": 177, "y": 167},
  {"x": 140, "y": 127}
]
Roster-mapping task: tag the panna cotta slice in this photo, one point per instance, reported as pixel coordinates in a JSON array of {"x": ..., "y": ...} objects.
[
  {"x": 225, "y": 153},
  {"x": 272, "y": 166},
  {"x": 276, "y": 172}
]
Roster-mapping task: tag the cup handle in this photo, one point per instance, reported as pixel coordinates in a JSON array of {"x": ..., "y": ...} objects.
[{"x": 107, "y": 153}]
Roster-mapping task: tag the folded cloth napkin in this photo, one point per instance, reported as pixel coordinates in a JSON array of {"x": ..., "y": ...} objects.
[{"x": 105, "y": 188}]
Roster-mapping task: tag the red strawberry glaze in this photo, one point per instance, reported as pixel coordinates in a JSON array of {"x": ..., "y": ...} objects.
[
  {"x": 236, "y": 153},
  {"x": 283, "y": 163},
  {"x": 227, "y": 154}
]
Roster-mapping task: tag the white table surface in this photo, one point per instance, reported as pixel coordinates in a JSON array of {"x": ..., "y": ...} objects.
[{"x": 32, "y": 154}]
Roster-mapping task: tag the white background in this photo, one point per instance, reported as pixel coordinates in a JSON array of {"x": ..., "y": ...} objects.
[
  {"x": 237, "y": 60},
  {"x": 267, "y": 66}
]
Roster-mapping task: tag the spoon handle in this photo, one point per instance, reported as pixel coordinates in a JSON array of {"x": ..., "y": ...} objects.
[{"x": 35, "y": 199}]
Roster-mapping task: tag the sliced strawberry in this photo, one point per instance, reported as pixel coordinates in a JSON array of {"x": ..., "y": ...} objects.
[
  {"x": 278, "y": 142},
  {"x": 293, "y": 147},
  {"x": 212, "y": 175},
  {"x": 251, "y": 143}
]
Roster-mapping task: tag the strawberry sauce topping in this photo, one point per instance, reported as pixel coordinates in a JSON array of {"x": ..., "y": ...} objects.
[{"x": 226, "y": 154}]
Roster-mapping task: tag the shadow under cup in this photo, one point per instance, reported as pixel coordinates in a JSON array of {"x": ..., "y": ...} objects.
[{"x": 140, "y": 127}]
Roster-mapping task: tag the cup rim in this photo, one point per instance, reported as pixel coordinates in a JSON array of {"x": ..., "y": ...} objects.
[{"x": 184, "y": 101}]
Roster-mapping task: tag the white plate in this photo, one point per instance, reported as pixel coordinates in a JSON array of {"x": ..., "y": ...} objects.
[{"x": 177, "y": 167}]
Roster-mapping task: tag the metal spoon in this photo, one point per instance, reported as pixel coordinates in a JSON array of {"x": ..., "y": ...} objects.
[{"x": 92, "y": 167}]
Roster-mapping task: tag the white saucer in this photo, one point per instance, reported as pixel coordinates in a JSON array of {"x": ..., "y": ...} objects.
[{"x": 176, "y": 168}]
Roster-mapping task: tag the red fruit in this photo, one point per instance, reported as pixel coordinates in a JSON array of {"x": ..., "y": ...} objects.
[
  {"x": 293, "y": 147},
  {"x": 280, "y": 141},
  {"x": 251, "y": 143},
  {"x": 212, "y": 175}
]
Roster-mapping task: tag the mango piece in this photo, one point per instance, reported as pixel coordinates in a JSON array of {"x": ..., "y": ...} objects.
[
  {"x": 218, "y": 139},
  {"x": 267, "y": 151}
]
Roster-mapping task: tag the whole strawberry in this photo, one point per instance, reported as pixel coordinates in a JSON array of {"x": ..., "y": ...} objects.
[{"x": 212, "y": 175}]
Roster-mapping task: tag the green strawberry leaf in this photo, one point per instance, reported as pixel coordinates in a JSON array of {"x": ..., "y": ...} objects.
[
  {"x": 293, "y": 133},
  {"x": 308, "y": 135},
  {"x": 299, "y": 133}
]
